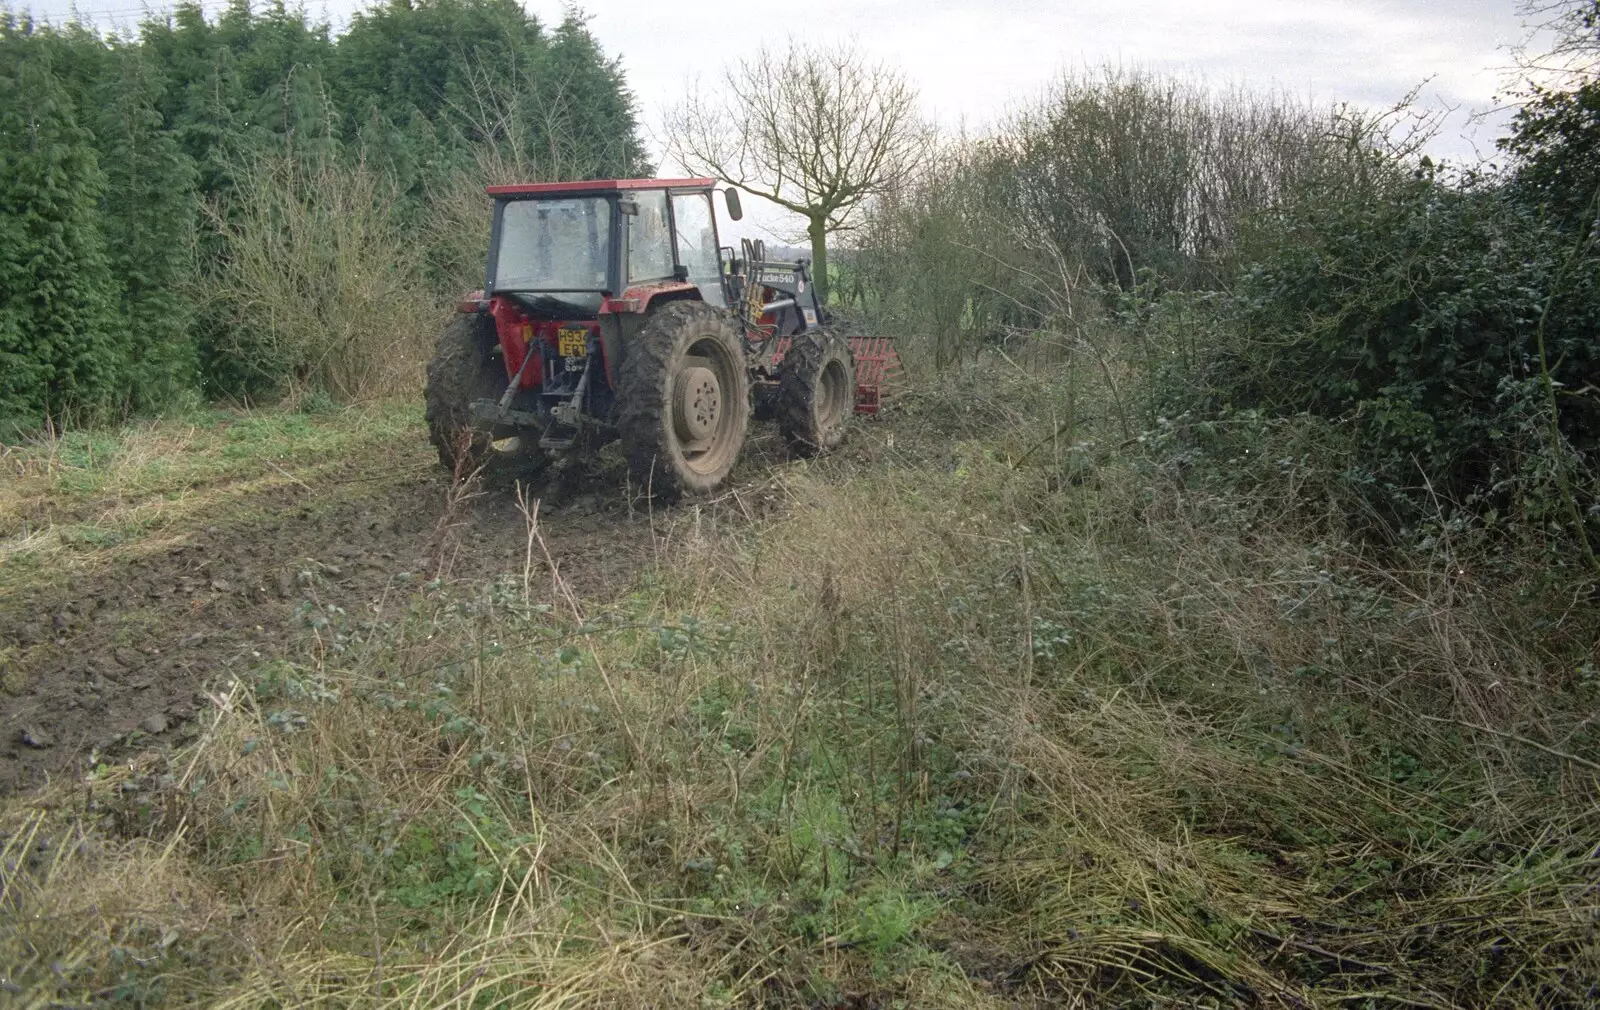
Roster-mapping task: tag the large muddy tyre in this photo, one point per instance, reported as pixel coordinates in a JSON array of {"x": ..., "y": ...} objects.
[
  {"x": 684, "y": 396},
  {"x": 816, "y": 392},
  {"x": 764, "y": 401},
  {"x": 462, "y": 370}
]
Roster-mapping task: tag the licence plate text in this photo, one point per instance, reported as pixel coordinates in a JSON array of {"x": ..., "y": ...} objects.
[{"x": 572, "y": 343}]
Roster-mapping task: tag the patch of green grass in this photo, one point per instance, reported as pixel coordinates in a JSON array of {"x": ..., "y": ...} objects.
[{"x": 151, "y": 457}]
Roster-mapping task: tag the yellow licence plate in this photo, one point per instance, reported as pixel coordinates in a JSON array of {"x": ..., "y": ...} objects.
[{"x": 573, "y": 343}]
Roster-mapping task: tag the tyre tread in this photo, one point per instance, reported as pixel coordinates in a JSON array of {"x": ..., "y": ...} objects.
[
  {"x": 643, "y": 380},
  {"x": 459, "y": 372}
]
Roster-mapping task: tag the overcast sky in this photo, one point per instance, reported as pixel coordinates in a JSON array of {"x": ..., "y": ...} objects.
[{"x": 975, "y": 60}]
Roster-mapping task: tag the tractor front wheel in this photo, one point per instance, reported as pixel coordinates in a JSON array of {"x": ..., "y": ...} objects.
[
  {"x": 816, "y": 392},
  {"x": 685, "y": 400}
]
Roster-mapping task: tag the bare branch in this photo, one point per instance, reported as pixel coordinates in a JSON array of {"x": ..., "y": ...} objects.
[{"x": 1568, "y": 33}]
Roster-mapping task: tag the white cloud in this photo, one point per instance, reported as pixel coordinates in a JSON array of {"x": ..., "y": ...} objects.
[{"x": 973, "y": 61}]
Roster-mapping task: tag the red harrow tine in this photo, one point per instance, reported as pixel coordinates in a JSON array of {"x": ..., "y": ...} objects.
[{"x": 877, "y": 366}]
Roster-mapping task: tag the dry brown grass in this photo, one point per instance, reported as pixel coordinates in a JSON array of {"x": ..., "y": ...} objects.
[
  {"x": 325, "y": 289},
  {"x": 943, "y": 730}
]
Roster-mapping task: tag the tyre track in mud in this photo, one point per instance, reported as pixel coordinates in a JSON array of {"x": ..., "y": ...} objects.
[{"x": 118, "y": 658}]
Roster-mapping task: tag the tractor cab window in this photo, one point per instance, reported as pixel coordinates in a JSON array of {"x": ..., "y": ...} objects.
[
  {"x": 553, "y": 245},
  {"x": 649, "y": 238},
  {"x": 697, "y": 243}
]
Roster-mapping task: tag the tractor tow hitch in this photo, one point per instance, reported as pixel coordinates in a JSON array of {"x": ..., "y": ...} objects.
[
  {"x": 516, "y": 381},
  {"x": 500, "y": 412},
  {"x": 569, "y": 414}
]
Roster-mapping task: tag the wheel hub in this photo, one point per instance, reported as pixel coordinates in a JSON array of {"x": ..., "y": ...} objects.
[{"x": 697, "y": 407}]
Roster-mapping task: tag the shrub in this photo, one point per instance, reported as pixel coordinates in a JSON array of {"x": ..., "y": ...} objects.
[
  {"x": 1111, "y": 178},
  {"x": 323, "y": 288},
  {"x": 1421, "y": 317},
  {"x": 1556, "y": 142}
]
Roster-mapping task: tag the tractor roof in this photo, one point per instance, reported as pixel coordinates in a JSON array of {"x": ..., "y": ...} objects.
[{"x": 596, "y": 186}]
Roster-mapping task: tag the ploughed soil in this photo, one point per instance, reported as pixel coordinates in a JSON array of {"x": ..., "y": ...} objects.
[{"x": 118, "y": 656}]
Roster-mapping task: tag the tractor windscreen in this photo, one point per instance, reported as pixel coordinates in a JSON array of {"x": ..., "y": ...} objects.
[{"x": 553, "y": 245}]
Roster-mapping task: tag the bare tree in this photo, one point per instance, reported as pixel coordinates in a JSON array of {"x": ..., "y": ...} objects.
[{"x": 818, "y": 131}]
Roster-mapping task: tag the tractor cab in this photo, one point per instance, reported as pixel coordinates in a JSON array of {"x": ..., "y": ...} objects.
[{"x": 566, "y": 248}]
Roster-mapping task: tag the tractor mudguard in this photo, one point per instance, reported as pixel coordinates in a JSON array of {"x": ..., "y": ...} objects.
[
  {"x": 621, "y": 318},
  {"x": 638, "y": 298}
]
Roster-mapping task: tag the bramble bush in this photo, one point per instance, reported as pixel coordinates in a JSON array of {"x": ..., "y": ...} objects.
[{"x": 1420, "y": 322}]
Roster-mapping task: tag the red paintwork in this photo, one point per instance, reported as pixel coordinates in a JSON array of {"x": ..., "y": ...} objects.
[
  {"x": 877, "y": 368},
  {"x": 597, "y": 186},
  {"x": 518, "y": 333},
  {"x": 637, "y": 298},
  {"x": 515, "y": 331}
]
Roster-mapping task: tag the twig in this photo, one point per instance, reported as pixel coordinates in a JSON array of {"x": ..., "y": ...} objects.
[
  {"x": 1311, "y": 948},
  {"x": 530, "y": 513},
  {"x": 1575, "y": 759},
  {"x": 289, "y": 475},
  {"x": 1027, "y": 615}
]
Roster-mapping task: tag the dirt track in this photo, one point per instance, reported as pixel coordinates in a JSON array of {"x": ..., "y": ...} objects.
[{"x": 118, "y": 658}]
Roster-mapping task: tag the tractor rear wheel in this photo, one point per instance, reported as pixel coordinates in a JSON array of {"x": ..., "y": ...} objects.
[
  {"x": 816, "y": 392},
  {"x": 684, "y": 394},
  {"x": 462, "y": 370}
]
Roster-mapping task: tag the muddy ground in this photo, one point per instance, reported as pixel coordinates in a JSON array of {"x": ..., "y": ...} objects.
[{"x": 118, "y": 657}]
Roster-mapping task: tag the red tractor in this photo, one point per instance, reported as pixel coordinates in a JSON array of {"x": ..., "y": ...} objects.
[{"x": 611, "y": 310}]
